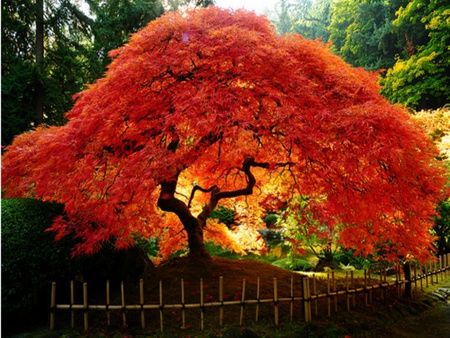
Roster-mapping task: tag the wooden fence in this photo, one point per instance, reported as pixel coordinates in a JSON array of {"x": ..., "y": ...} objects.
[{"x": 381, "y": 288}]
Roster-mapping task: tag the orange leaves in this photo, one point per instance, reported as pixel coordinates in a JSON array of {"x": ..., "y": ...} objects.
[{"x": 196, "y": 94}]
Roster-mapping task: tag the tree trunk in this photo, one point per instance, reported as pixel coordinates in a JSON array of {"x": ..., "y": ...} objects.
[
  {"x": 195, "y": 242},
  {"x": 39, "y": 60},
  {"x": 192, "y": 225},
  {"x": 408, "y": 289}
]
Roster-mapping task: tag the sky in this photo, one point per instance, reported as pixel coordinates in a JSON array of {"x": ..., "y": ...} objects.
[{"x": 259, "y": 6}]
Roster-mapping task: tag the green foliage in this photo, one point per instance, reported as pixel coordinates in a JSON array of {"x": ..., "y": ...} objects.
[
  {"x": 149, "y": 246},
  {"x": 344, "y": 257},
  {"x": 421, "y": 80},
  {"x": 217, "y": 250},
  {"x": 114, "y": 21},
  {"x": 303, "y": 230},
  {"x": 271, "y": 219},
  {"x": 442, "y": 227},
  {"x": 296, "y": 264},
  {"x": 30, "y": 257},
  {"x": 76, "y": 48},
  {"x": 19, "y": 75},
  {"x": 362, "y": 32},
  {"x": 224, "y": 215},
  {"x": 174, "y": 5},
  {"x": 306, "y": 17},
  {"x": 272, "y": 237}
]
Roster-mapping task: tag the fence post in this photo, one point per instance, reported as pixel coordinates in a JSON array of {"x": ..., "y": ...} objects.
[
  {"x": 291, "y": 308},
  {"x": 335, "y": 292},
  {"x": 257, "y": 300},
  {"x": 221, "y": 301},
  {"x": 447, "y": 260},
  {"x": 241, "y": 317},
  {"x": 347, "y": 296},
  {"x": 352, "y": 285},
  {"x": 306, "y": 299},
  {"x": 275, "y": 301},
  {"x": 141, "y": 299},
  {"x": 183, "y": 311},
  {"x": 407, "y": 273},
  {"x": 72, "y": 301},
  {"x": 397, "y": 280},
  {"x": 108, "y": 314},
  {"x": 52, "y": 306},
  {"x": 381, "y": 285},
  {"x": 202, "y": 307},
  {"x": 161, "y": 318},
  {"x": 431, "y": 272},
  {"x": 85, "y": 307},
  {"x": 328, "y": 296},
  {"x": 316, "y": 309},
  {"x": 122, "y": 295},
  {"x": 421, "y": 276},
  {"x": 366, "y": 300},
  {"x": 436, "y": 271},
  {"x": 415, "y": 278}
]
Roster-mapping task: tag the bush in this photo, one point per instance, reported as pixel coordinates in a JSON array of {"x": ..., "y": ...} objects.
[
  {"x": 272, "y": 237},
  {"x": 271, "y": 219},
  {"x": 297, "y": 264},
  {"x": 347, "y": 258},
  {"x": 224, "y": 215},
  {"x": 217, "y": 250},
  {"x": 442, "y": 227},
  {"x": 32, "y": 259}
]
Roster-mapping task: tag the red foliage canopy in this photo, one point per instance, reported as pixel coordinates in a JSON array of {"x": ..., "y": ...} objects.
[{"x": 202, "y": 94}]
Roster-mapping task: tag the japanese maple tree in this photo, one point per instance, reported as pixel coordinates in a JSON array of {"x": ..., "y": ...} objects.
[{"x": 207, "y": 105}]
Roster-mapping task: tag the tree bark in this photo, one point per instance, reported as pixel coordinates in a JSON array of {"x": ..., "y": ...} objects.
[
  {"x": 196, "y": 242},
  {"x": 408, "y": 289},
  {"x": 39, "y": 61},
  {"x": 193, "y": 227}
]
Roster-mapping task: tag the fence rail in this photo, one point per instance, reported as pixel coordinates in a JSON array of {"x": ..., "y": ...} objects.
[{"x": 308, "y": 301}]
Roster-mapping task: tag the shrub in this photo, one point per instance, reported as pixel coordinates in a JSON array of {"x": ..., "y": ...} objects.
[
  {"x": 271, "y": 219},
  {"x": 442, "y": 227},
  {"x": 347, "y": 258},
  {"x": 224, "y": 215},
  {"x": 31, "y": 259},
  {"x": 217, "y": 250},
  {"x": 272, "y": 237},
  {"x": 297, "y": 264}
]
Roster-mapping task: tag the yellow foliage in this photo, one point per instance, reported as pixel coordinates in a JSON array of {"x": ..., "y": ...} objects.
[
  {"x": 242, "y": 239},
  {"x": 437, "y": 124}
]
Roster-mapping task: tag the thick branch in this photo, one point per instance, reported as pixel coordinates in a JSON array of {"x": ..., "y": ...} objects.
[
  {"x": 217, "y": 195},
  {"x": 197, "y": 187},
  {"x": 168, "y": 202}
]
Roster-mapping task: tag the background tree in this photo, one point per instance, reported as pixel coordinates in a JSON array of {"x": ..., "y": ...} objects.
[
  {"x": 39, "y": 86},
  {"x": 421, "y": 79},
  {"x": 19, "y": 74},
  {"x": 114, "y": 21},
  {"x": 437, "y": 125},
  {"x": 362, "y": 32},
  {"x": 308, "y": 18},
  {"x": 206, "y": 100}
]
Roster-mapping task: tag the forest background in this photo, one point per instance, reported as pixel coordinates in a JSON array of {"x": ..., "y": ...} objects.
[{"x": 51, "y": 49}]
